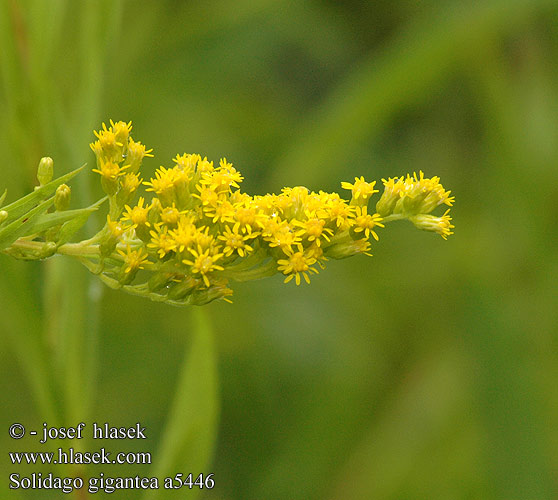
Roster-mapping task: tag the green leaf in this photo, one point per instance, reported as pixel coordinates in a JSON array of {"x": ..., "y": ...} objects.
[
  {"x": 189, "y": 435},
  {"x": 47, "y": 221},
  {"x": 3, "y": 197},
  {"x": 25, "y": 204},
  {"x": 24, "y": 225},
  {"x": 73, "y": 226}
]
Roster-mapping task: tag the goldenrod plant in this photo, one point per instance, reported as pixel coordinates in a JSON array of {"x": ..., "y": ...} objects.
[{"x": 199, "y": 232}]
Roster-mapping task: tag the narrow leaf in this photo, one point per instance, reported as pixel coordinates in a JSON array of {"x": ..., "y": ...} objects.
[
  {"x": 24, "y": 225},
  {"x": 3, "y": 197},
  {"x": 46, "y": 221}
]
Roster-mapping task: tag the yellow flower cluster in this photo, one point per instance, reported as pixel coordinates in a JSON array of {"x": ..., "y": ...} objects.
[
  {"x": 414, "y": 197},
  {"x": 199, "y": 230}
]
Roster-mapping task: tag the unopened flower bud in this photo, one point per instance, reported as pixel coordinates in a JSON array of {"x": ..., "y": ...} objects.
[
  {"x": 160, "y": 280},
  {"x": 62, "y": 197},
  {"x": 183, "y": 288},
  {"x": 204, "y": 296},
  {"x": 3, "y": 216},
  {"x": 45, "y": 171},
  {"x": 348, "y": 249}
]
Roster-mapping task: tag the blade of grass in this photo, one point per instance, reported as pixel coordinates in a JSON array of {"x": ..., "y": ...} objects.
[
  {"x": 189, "y": 434},
  {"x": 27, "y": 349}
]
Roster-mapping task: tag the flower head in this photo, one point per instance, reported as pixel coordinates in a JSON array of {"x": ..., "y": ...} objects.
[
  {"x": 297, "y": 264},
  {"x": 364, "y": 222},
  {"x": 203, "y": 263},
  {"x": 360, "y": 189},
  {"x": 133, "y": 259}
]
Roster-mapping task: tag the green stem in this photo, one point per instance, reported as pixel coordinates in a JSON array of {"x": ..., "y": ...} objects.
[{"x": 393, "y": 217}]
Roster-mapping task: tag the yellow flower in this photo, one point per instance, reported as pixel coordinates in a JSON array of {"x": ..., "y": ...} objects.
[
  {"x": 221, "y": 179},
  {"x": 184, "y": 235},
  {"x": 366, "y": 222},
  {"x": 171, "y": 215},
  {"x": 114, "y": 228},
  {"x": 204, "y": 240},
  {"x": 137, "y": 215},
  {"x": 221, "y": 213},
  {"x": 109, "y": 170},
  {"x": 360, "y": 189},
  {"x": 163, "y": 184},
  {"x": 131, "y": 182},
  {"x": 248, "y": 219},
  {"x": 282, "y": 235},
  {"x": 313, "y": 229},
  {"x": 135, "y": 154},
  {"x": 204, "y": 165},
  {"x": 203, "y": 263},
  {"x": 110, "y": 147},
  {"x": 441, "y": 225},
  {"x": 133, "y": 259},
  {"x": 207, "y": 196},
  {"x": 340, "y": 212},
  {"x": 200, "y": 230},
  {"x": 235, "y": 242},
  {"x": 162, "y": 242},
  {"x": 295, "y": 265},
  {"x": 121, "y": 131},
  {"x": 187, "y": 162}
]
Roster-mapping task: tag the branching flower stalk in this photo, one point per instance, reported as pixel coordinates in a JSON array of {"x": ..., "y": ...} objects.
[{"x": 199, "y": 231}]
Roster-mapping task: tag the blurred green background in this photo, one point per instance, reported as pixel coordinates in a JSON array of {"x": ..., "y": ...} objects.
[{"x": 428, "y": 371}]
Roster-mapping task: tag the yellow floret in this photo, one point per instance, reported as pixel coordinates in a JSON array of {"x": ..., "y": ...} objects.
[
  {"x": 204, "y": 263},
  {"x": 137, "y": 215},
  {"x": 235, "y": 242},
  {"x": 133, "y": 259},
  {"x": 360, "y": 188},
  {"x": 364, "y": 222},
  {"x": 295, "y": 265}
]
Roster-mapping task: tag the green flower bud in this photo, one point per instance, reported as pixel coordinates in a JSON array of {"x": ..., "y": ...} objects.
[
  {"x": 45, "y": 171},
  {"x": 183, "y": 288},
  {"x": 3, "y": 216},
  {"x": 207, "y": 295},
  {"x": 160, "y": 280},
  {"x": 348, "y": 249},
  {"x": 62, "y": 197}
]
